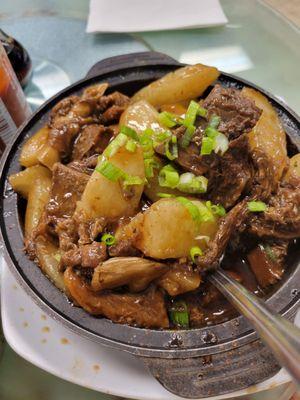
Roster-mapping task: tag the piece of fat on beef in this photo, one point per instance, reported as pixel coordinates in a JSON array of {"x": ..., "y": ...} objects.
[
  {"x": 267, "y": 261},
  {"x": 238, "y": 113},
  {"x": 67, "y": 188},
  {"x": 93, "y": 139}
]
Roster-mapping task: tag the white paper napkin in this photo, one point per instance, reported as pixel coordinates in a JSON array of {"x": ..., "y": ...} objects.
[{"x": 153, "y": 15}]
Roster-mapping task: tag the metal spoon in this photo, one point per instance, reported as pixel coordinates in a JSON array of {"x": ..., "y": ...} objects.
[{"x": 280, "y": 335}]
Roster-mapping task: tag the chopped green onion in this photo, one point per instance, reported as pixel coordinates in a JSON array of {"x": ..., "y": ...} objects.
[
  {"x": 187, "y": 137},
  {"x": 270, "y": 253},
  {"x": 130, "y": 180},
  {"x": 195, "y": 252},
  {"x": 147, "y": 144},
  {"x": 179, "y": 314},
  {"x": 126, "y": 130},
  {"x": 191, "y": 207},
  {"x": 162, "y": 136},
  {"x": 165, "y": 195},
  {"x": 207, "y": 146},
  {"x": 57, "y": 257},
  {"x": 108, "y": 239},
  {"x": 205, "y": 214},
  {"x": 189, "y": 183},
  {"x": 214, "y": 121},
  {"x": 167, "y": 119},
  {"x": 202, "y": 112},
  {"x": 171, "y": 149},
  {"x": 113, "y": 173},
  {"x": 191, "y": 114},
  {"x": 217, "y": 209},
  {"x": 211, "y": 132},
  {"x": 115, "y": 144},
  {"x": 130, "y": 146},
  {"x": 168, "y": 177},
  {"x": 221, "y": 144},
  {"x": 150, "y": 164},
  {"x": 257, "y": 206},
  {"x": 110, "y": 171}
]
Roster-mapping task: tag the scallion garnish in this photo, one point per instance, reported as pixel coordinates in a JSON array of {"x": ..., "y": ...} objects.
[
  {"x": 191, "y": 207},
  {"x": 221, "y": 144},
  {"x": 179, "y": 314},
  {"x": 147, "y": 144},
  {"x": 167, "y": 119},
  {"x": 191, "y": 114},
  {"x": 216, "y": 209},
  {"x": 187, "y": 137},
  {"x": 211, "y": 132},
  {"x": 113, "y": 173},
  {"x": 168, "y": 177},
  {"x": 130, "y": 180},
  {"x": 110, "y": 171},
  {"x": 119, "y": 141},
  {"x": 57, "y": 257},
  {"x": 270, "y": 253},
  {"x": 195, "y": 252},
  {"x": 214, "y": 121},
  {"x": 165, "y": 195},
  {"x": 150, "y": 164},
  {"x": 126, "y": 130},
  {"x": 256, "y": 206},
  {"x": 130, "y": 146},
  {"x": 171, "y": 149},
  {"x": 207, "y": 146},
  {"x": 205, "y": 213},
  {"x": 108, "y": 239},
  {"x": 189, "y": 183}
]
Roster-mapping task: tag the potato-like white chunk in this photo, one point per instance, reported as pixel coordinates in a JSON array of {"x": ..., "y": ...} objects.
[
  {"x": 48, "y": 256},
  {"x": 167, "y": 230},
  {"x": 105, "y": 198},
  {"x": 183, "y": 84},
  {"x": 37, "y": 150},
  {"x": 38, "y": 197},
  {"x": 140, "y": 116},
  {"x": 268, "y": 135},
  {"x": 23, "y": 181}
]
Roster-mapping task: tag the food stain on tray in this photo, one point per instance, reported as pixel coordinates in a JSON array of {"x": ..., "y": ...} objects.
[
  {"x": 64, "y": 341},
  {"x": 45, "y": 329},
  {"x": 25, "y": 324}
]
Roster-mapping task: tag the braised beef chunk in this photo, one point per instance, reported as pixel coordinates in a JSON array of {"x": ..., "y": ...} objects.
[
  {"x": 88, "y": 231},
  {"x": 93, "y": 139},
  {"x": 86, "y": 256},
  {"x": 229, "y": 179},
  {"x": 263, "y": 177},
  {"x": 66, "y": 230},
  {"x": 282, "y": 218},
  {"x": 145, "y": 309},
  {"x": 114, "y": 99},
  {"x": 189, "y": 158},
  {"x": 238, "y": 113},
  {"x": 67, "y": 188},
  {"x": 229, "y": 224},
  {"x": 85, "y": 166},
  {"x": 123, "y": 248},
  {"x": 267, "y": 261}
]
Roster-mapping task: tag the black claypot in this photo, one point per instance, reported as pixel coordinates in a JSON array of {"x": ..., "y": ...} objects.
[{"x": 191, "y": 363}]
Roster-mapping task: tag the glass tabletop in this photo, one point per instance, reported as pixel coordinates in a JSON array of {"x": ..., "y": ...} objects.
[{"x": 256, "y": 44}]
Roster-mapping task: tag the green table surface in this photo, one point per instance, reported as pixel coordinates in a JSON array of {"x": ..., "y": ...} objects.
[{"x": 256, "y": 44}]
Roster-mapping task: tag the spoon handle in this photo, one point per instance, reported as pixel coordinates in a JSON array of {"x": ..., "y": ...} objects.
[{"x": 280, "y": 335}]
